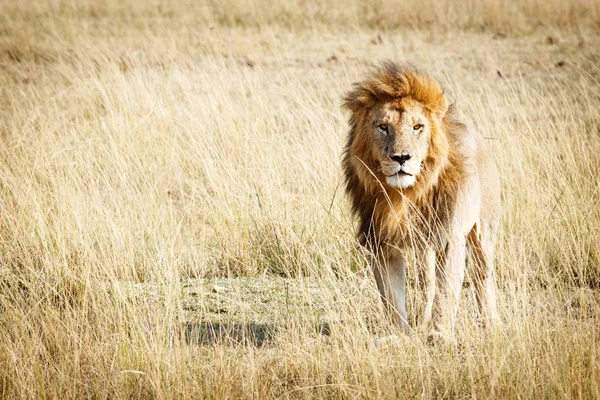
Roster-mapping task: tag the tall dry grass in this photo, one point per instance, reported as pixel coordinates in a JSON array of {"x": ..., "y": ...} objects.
[{"x": 147, "y": 145}]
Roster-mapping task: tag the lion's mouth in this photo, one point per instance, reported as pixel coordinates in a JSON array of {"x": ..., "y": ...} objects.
[
  {"x": 401, "y": 179},
  {"x": 402, "y": 173}
]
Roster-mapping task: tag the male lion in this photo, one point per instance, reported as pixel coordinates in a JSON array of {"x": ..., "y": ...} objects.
[{"x": 421, "y": 180}]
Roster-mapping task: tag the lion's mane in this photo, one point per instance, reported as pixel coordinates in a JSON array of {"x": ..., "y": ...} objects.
[{"x": 385, "y": 213}]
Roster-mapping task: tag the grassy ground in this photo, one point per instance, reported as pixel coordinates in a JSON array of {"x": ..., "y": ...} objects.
[{"x": 172, "y": 216}]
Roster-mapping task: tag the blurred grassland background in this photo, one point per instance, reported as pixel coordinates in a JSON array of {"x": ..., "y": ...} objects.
[{"x": 171, "y": 167}]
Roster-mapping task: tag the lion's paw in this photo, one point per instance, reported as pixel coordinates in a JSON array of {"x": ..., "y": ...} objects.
[
  {"x": 387, "y": 341},
  {"x": 441, "y": 339}
]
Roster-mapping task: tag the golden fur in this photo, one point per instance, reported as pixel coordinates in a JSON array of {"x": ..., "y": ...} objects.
[{"x": 447, "y": 203}]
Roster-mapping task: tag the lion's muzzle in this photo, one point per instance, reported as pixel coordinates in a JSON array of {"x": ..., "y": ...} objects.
[{"x": 400, "y": 170}]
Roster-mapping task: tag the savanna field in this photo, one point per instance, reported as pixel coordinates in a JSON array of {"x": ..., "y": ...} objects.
[{"x": 173, "y": 222}]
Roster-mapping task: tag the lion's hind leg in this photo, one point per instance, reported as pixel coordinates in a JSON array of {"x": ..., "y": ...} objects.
[{"x": 482, "y": 243}]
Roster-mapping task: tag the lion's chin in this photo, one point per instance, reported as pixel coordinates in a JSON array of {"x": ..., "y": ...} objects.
[{"x": 401, "y": 180}]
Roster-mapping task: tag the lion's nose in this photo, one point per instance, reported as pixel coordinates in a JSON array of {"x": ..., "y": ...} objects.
[{"x": 401, "y": 158}]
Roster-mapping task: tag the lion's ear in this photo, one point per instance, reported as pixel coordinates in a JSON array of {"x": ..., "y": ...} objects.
[
  {"x": 440, "y": 108},
  {"x": 357, "y": 100}
]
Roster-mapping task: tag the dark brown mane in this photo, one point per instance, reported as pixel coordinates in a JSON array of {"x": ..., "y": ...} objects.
[{"x": 385, "y": 213}]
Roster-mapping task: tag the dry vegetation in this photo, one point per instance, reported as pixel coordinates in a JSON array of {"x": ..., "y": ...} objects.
[{"x": 150, "y": 151}]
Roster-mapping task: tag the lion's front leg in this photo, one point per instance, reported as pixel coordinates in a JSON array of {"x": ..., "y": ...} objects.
[
  {"x": 450, "y": 273},
  {"x": 426, "y": 257},
  {"x": 390, "y": 275}
]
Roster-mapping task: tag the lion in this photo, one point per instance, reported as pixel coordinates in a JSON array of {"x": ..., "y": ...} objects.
[{"x": 420, "y": 180}]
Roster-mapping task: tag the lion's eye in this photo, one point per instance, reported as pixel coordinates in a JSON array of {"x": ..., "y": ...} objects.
[
  {"x": 418, "y": 127},
  {"x": 383, "y": 127}
]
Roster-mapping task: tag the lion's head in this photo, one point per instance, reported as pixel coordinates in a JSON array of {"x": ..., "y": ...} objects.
[
  {"x": 398, "y": 143},
  {"x": 395, "y": 133}
]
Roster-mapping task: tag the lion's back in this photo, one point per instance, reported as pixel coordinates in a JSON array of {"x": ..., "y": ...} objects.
[{"x": 481, "y": 158}]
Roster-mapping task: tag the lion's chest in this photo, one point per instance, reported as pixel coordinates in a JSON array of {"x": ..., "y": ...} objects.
[{"x": 406, "y": 223}]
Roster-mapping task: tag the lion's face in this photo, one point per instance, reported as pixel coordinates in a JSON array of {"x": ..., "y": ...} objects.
[
  {"x": 397, "y": 136},
  {"x": 400, "y": 141}
]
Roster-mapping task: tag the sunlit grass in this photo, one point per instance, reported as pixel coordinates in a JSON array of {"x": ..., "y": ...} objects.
[{"x": 167, "y": 167}]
